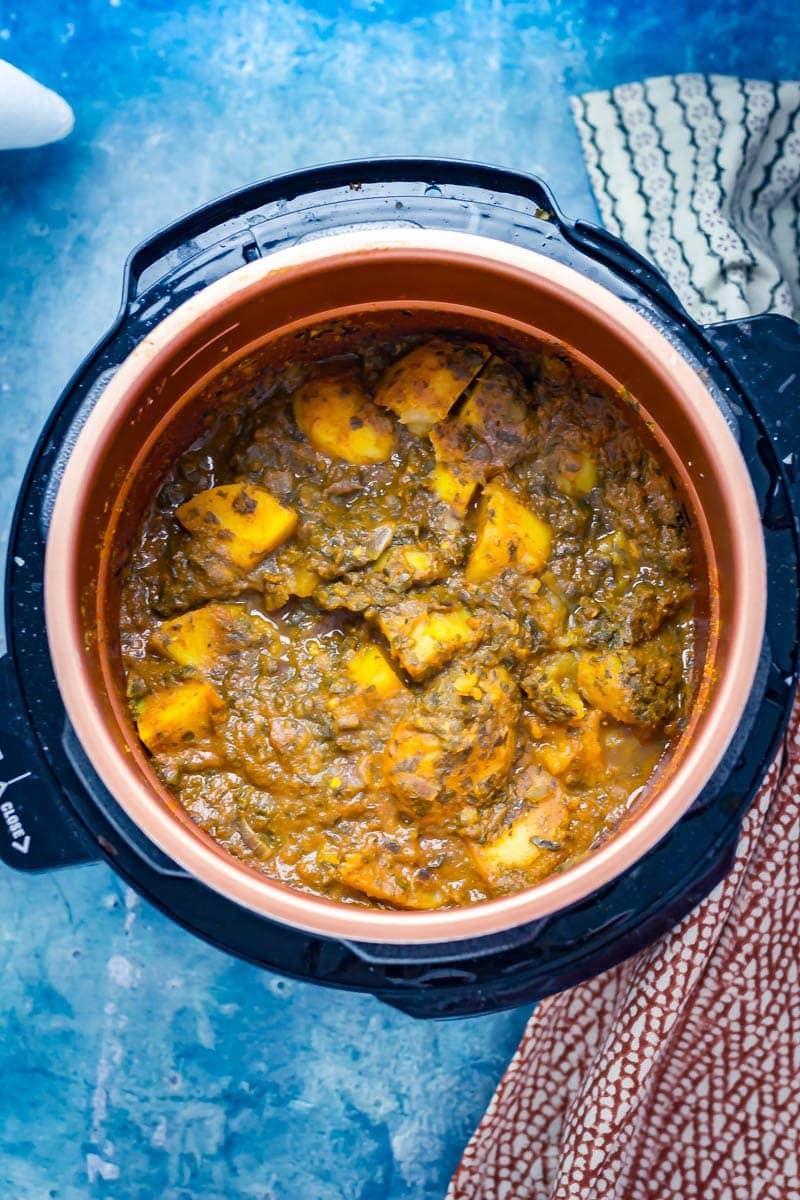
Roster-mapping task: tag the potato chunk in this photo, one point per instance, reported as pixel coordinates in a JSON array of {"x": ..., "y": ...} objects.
[
  {"x": 302, "y": 582},
  {"x": 453, "y": 487},
  {"x": 574, "y": 753},
  {"x": 334, "y": 412},
  {"x": 457, "y": 744},
  {"x": 508, "y": 535},
  {"x": 550, "y": 612},
  {"x": 601, "y": 679},
  {"x": 491, "y": 430},
  {"x": 377, "y": 875},
  {"x": 176, "y": 716},
  {"x": 418, "y": 562},
  {"x": 638, "y": 685},
  {"x": 370, "y": 670},
  {"x": 375, "y": 688},
  {"x": 404, "y": 566},
  {"x": 198, "y": 639},
  {"x": 536, "y": 834},
  {"x": 242, "y": 521},
  {"x": 423, "y": 385},
  {"x": 424, "y": 640},
  {"x": 578, "y": 474},
  {"x": 551, "y": 685}
]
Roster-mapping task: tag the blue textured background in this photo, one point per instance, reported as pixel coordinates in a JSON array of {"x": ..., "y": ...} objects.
[{"x": 135, "y": 1062}]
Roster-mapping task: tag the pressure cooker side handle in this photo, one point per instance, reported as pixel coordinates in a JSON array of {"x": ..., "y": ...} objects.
[
  {"x": 37, "y": 830},
  {"x": 764, "y": 355},
  {"x": 604, "y": 247}
]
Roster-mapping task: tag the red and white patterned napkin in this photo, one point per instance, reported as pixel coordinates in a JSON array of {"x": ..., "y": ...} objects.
[{"x": 676, "y": 1075}]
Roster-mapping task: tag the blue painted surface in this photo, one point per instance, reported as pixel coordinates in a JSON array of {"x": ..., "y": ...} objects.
[{"x": 134, "y": 1061}]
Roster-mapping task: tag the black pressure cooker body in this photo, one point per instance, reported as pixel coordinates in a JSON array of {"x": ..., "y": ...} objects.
[{"x": 55, "y": 811}]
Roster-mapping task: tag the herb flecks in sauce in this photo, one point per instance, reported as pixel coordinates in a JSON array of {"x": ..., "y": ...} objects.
[{"x": 409, "y": 629}]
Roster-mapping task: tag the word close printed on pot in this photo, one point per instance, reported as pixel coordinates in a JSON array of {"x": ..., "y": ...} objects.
[{"x": 20, "y": 840}]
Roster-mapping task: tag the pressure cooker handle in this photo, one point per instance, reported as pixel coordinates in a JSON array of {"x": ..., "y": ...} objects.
[
  {"x": 604, "y": 247},
  {"x": 763, "y": 353},
  {"x": 37, "y": 830}
]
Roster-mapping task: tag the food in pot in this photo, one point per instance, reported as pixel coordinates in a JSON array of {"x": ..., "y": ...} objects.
[{"x": 412, "y": 626}]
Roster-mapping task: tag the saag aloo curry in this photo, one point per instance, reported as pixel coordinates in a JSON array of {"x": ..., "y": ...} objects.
[{"x": 413, "y": 627}]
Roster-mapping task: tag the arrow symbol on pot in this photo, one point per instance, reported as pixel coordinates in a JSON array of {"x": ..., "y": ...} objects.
[{"x": 23, "y": 844}]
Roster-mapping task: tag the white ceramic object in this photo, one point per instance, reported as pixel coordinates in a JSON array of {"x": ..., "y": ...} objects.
[{"x": 30, "y": 113}]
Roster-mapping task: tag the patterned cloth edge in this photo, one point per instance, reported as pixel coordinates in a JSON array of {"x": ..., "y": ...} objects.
[{"x": 701, "y": 174}]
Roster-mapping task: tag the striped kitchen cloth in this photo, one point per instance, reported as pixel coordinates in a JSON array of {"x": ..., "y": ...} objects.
[
  {"x": 701, "y": 174},
  {"x": 674, "y": 1076}
]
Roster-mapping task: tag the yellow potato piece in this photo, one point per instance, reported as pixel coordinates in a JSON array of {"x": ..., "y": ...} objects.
[
  {"x": 424, "y": 641},
  {"x": 601, "y": 681},
  {"x": 244, "y": 521},
  {"x": 303, "y": 582},
  {"x": 491, "y": 430},
  {"x": 334, "y": 412},
  {"x": 550, "y": 613},
  {"x": 638, "y": 685},
  {"x": 176, "y": 716},
  {"x": 435, "y": 759},
  {"x": 418, "y": 562},
  {"x": 574, "y": 752},
  {"x": 378, "y": 878},
  {"x": 555, "y": 752},
  {"x": 454, "y": 488},
  {"x": 516, "y": 848},
  {"x": 508, "y": 535},
  {"x": 552, "y": 687},
  {"x": 468, "y": 684},
  {"x": 371, "y": 671},
  {"x": 410, "y": 564},
  {"x": 198, "y": 639},
  {"x": 494, "y": 406},
  {"x": 423, "y": 385},
  {"x": 578, "y": 476}
]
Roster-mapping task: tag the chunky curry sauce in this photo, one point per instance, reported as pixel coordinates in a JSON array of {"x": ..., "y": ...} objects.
[{"x": 412, "y": 626}]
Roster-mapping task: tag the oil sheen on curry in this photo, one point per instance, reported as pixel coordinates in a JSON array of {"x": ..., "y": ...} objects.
[{"x": 412, "y": 627}]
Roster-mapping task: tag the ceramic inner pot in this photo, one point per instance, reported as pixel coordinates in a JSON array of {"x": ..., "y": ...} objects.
[{"x": 305, "y": 302}]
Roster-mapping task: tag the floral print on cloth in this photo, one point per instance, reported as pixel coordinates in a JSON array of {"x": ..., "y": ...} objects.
[{"x": 701, "y": 174}]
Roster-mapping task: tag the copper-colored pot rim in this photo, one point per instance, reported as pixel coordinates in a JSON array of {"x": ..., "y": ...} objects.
[{"x": 222, "y": 871}]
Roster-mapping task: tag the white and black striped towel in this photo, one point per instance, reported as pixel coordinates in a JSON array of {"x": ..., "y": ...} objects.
[{"x": 701, "y": 174}]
